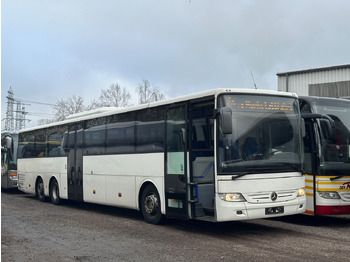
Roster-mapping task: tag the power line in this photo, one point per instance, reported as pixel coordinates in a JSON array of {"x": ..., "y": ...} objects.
[
  {"x": 16, "y": 112},
  {"x": 40, "y": 114},
  {"x": 35, "y": 102}
]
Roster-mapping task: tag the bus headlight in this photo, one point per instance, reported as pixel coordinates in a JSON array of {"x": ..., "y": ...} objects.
[
  {"x": 329, "y": 194},
  {"x": 232, "y": 197},
  {"x": 301, "y": 192},
  {"x": 13, "y": 175}
]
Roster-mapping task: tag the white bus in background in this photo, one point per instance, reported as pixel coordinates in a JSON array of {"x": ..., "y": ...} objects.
[
  {"x": 9, "y": 143},
  {"x": 327, "y": 155},
  {"x": 219, "y": 155}
]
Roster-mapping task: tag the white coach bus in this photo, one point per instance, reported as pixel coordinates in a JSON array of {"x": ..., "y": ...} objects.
[{"x": 219, "y": 155}]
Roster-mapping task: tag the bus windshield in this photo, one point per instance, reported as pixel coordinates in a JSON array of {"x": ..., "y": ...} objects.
[
  {"x": 11, "y": 153},
  {"x": 335, "y": 151},
  {"x": 265, "y": 135}
]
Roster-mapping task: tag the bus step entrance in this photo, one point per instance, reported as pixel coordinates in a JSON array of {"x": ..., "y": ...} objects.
[
  {"x": 199, "y": 212},
  {"x": 209, "y": 211}
]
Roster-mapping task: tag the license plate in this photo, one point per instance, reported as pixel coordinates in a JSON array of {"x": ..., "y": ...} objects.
[{"x": 274, "y": 210}]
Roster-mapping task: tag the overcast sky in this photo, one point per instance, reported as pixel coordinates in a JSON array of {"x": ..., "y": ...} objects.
[{"x": 53, "y": 49}]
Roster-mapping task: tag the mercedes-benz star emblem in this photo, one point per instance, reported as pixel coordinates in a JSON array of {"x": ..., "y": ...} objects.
[{"x": 273, "y": 196}]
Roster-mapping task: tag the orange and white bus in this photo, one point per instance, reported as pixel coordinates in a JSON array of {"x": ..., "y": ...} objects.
[{"x": 327, "y": 155}]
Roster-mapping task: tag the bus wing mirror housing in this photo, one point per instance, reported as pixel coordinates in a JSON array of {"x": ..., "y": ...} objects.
[
  {"x": 326, "y": 122},
  {"x": 328, "y": 129},
  {"x": 8, "y": 142},
  {"x": 225, "y": 119}
]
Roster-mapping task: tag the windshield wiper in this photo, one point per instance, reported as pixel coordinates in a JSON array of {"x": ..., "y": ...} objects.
[
  {"x": 241, "y": 174},
  {"x": 334, "y": 178},
  {"x": 224, "y": 164}
]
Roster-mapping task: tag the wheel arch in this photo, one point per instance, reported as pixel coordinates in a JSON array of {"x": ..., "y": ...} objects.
[
  {"x": 37, "y": 181},
  {"x": 52, "y": 179},
  {"x": 142, "y": 188}
]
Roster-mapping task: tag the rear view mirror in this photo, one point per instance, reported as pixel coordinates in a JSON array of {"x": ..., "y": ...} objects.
[
  {"x": 8, "y": 142},
  {"x": 327, "y": 129},
  {"x": 226, "y": 120},
  {"x": 326, "y": 122}
]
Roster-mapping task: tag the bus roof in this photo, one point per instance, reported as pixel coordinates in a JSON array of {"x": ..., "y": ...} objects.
[
  {"x": 106, "y": 111},
  {"x": 314, "y": 99}
]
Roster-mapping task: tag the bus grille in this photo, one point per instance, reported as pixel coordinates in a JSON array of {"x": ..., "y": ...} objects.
[{"x": 266, "y": 197}]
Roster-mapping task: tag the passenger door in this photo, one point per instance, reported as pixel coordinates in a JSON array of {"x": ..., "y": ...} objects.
[
  {"x": 201, "y": 148},
  {"x": 175, "y": 163},
  {"x": 75, "y": 162}
]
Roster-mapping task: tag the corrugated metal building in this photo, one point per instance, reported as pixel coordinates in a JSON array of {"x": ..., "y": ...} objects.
[{"x": 331, "y": 81}]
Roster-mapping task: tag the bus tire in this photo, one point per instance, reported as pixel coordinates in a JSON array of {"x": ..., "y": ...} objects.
[
  {"x": 55, "y": 192},
  {"x": 150, "y": 205},
  {"x": 39, "y": 190}
]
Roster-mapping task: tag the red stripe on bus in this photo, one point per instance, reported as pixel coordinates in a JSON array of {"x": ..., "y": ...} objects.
[{"x": 332, "y": 210}]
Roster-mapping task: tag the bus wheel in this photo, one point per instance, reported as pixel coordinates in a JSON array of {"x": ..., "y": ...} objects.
[
  {"x": 150, "y": 205},
  {"x": 39, "y": 190},
  {"x": 55, "y": 192}
]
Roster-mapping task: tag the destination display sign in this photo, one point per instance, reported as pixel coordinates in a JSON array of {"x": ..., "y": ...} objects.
[{"x": 259, "y": 103}]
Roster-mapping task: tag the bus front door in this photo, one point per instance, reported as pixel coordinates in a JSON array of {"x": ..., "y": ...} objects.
[
  {"x": 75, "y": 162},
  {"x": 176, "y": 163}
]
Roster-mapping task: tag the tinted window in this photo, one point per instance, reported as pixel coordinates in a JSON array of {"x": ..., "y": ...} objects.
[
  {"x": 26, "y": 145},
  {"x": 54, "y": 140},
  {"x": 32, "y": 144},
  {"x": 150, "y": 130},
  {"x": 95, "y": 136},
  {"x": 40, "y": 148},
  {"x": 121, "y": 133}
]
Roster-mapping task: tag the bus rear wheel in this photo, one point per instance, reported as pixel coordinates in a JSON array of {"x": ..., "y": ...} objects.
[
  {"x": 150, "y": 205},
  {"x": 39, "y": 190},
  {"x": 55, "y": 192}
]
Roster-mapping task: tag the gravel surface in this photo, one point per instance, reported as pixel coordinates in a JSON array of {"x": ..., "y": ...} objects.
[{"x": 36, "y": 231}]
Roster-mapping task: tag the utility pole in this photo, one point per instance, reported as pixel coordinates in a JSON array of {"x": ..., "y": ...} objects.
[{"x": 9, "y": 123}]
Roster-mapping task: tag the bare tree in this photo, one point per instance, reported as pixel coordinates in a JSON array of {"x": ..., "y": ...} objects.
[
  {"x": 115, "y": 95},
  {"x": 93, "y": 105},
  {"x": 72, "y": 105},
  {"x": 148, "y": 94},
  {"x": 45, "y": 121}
]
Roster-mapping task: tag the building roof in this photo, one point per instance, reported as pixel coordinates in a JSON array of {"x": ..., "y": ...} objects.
[{"x": 313, "y": 70}]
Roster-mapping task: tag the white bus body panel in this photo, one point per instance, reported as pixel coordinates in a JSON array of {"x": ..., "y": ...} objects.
[
  {"x": 30, "y": 169},
  {"x": 109, "y": 179},
  {"x": 116, "y": 179},
  {"x": 257, "y": 190}
]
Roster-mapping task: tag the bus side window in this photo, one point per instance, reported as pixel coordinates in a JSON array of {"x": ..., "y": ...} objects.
[
  {"x": 54, "y": 141},
  {"x": 120, "y": 134},
  {"x": 95, "y": 136},
  {"x": 40, "y": 149},
  {"x": 26, "y": 145},
  {"x": 149, "y": 130}
]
